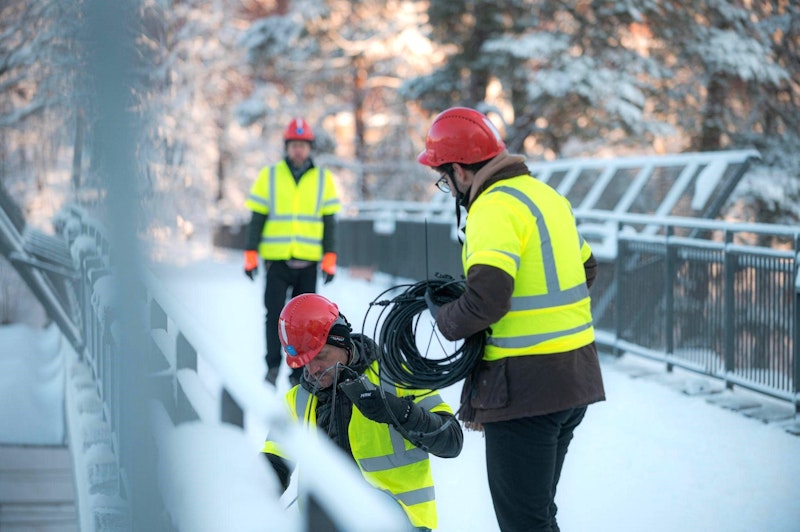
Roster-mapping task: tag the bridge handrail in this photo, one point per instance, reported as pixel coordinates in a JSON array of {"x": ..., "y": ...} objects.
[
  {"x": 242, "y": 401},
  {"x": 732, "y": 258}
]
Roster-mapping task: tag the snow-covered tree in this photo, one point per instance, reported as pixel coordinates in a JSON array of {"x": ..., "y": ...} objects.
[
  {"x": 38, "y": 63},
  {"x": 194, "y": 144},
  {"x": 553, "y": 72},
  {"x": 734, "y": 82},
  {"x": 218, "y": 80},
  {"x": 604, "y": 76}
]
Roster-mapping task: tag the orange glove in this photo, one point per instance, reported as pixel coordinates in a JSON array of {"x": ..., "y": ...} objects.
[
  {"x": 328, "y": 266},
  {"x": 250, "y": 263}
]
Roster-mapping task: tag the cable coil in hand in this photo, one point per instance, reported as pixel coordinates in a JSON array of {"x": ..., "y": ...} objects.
[{"x": 401, "y": 361}]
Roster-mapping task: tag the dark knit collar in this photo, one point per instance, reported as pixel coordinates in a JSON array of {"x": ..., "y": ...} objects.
[
  {"x": 298, "y": 171},
  {"x": 504, "y": 166}
]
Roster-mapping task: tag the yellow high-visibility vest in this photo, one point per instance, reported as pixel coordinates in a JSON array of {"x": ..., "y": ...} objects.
[
  {"x": 386, "y": 459},
  {"x": 295, "y": 209},
  {"x": 526, "y": 228}
]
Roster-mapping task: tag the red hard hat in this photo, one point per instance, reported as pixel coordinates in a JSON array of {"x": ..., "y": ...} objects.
[
  {"x": 298, "y": 129},
  {"x": 461, "y": 135},
  {"x": 303, "y": 327}
]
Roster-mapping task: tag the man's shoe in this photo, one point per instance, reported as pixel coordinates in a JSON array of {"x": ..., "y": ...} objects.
[{"x": 272, "y": 375}]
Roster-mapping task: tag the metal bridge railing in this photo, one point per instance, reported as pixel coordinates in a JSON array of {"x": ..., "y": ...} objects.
[
  {"x": 190, "y": 385},
  {"x": 724, "y": 306},
  {"x": 709, "y": 296}
]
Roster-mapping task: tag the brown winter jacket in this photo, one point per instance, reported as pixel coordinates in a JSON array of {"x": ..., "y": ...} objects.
[{"x": 519, "y": 386}]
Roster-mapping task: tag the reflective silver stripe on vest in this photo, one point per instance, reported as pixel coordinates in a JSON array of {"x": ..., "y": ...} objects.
[
  {"x": 515, "y": 342},
  {"x": 275, "y": 217},
  {"x": 555, "y": 297},
  {"x": 306, "y": 240},
  {"x": 307, "y": 218},
  {"x": 548, "y": 258},
  {"x": 277, "y": 239},
  {"x": 512, "y": 256},
  {"x": 400, "y": 456},
  {"x": 257, "y": 199},
  {"x": 320, "y": 189},
  {"x": 288, "y": 239},
  {"x": 430, "y": 401},
  {"x": 272, "y": 191},
  {"x": 564, "y": 297},
  {"x": 419, "y": 496},
  {"x": 301, "y": 402}
]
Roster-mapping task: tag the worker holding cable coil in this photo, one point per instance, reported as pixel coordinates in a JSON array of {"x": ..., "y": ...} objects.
[
  {"x": 388, "y": 431},
  {"x": 526, "y": 292}
]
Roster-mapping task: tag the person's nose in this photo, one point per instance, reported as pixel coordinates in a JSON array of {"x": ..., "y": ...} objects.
[{"x": 315, "y": 368}]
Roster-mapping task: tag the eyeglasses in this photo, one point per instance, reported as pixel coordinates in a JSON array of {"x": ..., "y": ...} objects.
[{"x": 442, "y": 184}]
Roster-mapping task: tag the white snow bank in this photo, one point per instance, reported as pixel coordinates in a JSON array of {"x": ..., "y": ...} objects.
[{"x": 31, "y": 415}]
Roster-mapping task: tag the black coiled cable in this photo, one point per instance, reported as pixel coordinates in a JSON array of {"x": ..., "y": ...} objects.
[{"x": 401, "y": 362}]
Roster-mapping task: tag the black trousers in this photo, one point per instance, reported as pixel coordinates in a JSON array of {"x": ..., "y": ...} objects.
[
  {"x": 280, "y": 278},
  {"x": 523, "y": 462}
]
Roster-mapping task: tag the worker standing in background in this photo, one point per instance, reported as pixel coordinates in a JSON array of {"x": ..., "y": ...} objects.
[
  {"x": 292, "y": 230},
  {"x": 528, "y": 273}
]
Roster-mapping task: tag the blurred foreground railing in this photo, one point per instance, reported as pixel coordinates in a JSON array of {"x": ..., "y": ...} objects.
[{"x": 203, "y": 414}]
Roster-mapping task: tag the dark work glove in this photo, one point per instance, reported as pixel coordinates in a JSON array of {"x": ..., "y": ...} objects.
[
  {"x": 370, "y": 403},
  {"x": 433, "y": 307}
]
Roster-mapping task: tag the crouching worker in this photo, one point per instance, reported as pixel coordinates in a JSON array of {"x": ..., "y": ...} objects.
[{"x": 389, "y": 434}]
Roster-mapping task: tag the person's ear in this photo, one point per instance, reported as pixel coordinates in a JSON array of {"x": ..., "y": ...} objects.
[{"x": 460, "y": 175}]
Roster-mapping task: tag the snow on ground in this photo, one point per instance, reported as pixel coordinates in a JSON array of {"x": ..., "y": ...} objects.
[
  {"x": 31, "y": 385},
  {"x": 648, "y": 458}
]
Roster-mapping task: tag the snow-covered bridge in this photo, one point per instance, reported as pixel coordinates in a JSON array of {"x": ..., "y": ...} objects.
[{"x": 690, "y": 294}]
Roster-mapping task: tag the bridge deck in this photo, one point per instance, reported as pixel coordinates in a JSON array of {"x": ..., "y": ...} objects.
[{"x": 36, "y": 489}]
